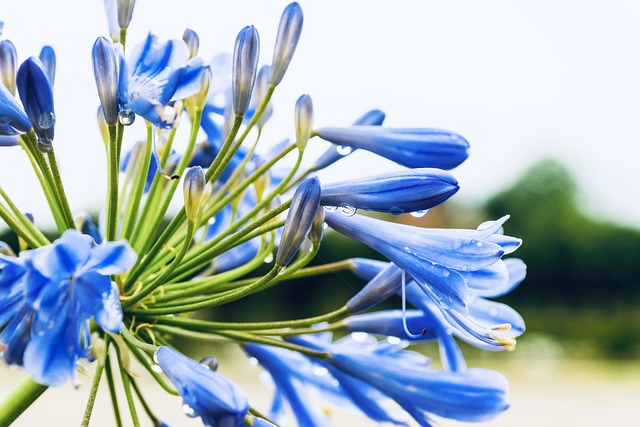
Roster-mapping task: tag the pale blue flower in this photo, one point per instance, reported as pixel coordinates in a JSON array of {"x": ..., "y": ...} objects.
[
  {"x": 155, "y": 75},
  {"x": 211, "y": 396},
  {"x": 397, "y": 192},
  {"x": 413, "y": 148},
  {"x": 54, "y": 291}
]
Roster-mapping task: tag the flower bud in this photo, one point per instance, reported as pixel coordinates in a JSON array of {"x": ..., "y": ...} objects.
[
  {"x": 105, "y": 70},
  {"x": 13, "y": 118},
  {"x": 193, "y": 189},
  {"x": 37, "y": 97},
  {"x": 48, "y": 58},
  {"x": 125, "y": 12},
  {"x": 262, "y": 87},
  {"x": 303, "y": 121},
  {"x": 386, "y": 283},
  {"x": 245, "y": 67},
  {"x": 317, "y": 227},
  {"x": 286, "y": 41},
  {"x": 304, "y": 206},
  {"x": 8, "y": 61},
  {"x": 192, "y": 40}
]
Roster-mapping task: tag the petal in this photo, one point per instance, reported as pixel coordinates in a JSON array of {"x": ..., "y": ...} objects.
[
  {"x": 90, "y": 289},
  {"x": 109, "y": 314},
  {"x": 110, "y": 258},
  {"x": 62, "y": 258}
]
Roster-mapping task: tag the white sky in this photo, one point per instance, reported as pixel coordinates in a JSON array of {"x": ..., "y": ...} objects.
[{"x": 520, "y": 80}]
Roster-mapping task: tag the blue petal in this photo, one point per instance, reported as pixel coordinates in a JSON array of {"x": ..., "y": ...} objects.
[
  {"x": 190, "y": 81},
  {"x": 11, "y": 113},
  {"x": 90, "y": 290},
  {"x": 110, "y": 258},
  {"x": 109, "y": 313},
  {"x": 61, "y": 259},
  {"x": 37, "y": 97}
]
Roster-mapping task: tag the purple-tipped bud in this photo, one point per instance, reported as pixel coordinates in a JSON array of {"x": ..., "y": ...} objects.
[
  {"x": 304, "y": 206},
  {"x": 48, "y": 58},
  {"x": 36, "y": 94},
  {"x": 192, "y": 40},
  {"x": 105, "y": 69},
  {"x": 125, "y": 12},
  {"x": 412, "y": 190},
  {"x": 245, "y": 67},
  {"x": 381, "y": 287},
  {"x": 286, "y": 41},
  {"x": 193, "y": 189},
  {"x": 303, "y": 121},
  {"x": 8, "y": 64}
]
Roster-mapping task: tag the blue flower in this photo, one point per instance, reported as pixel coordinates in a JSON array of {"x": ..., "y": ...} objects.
[
  {"x": 53, "y": 291},
  {"x": 36, "y": 94},
  {"x": 413, "y": 148},
  {"x": 155, "y": 75},
  {"x": 48, "y": 59},
  {"x": 405, "y": 377},
  {"x": 214, "y": 398},
  {"x": 8, "y": 64},
  {"x": 397, "y": 192},
  {"x": 13, "y": 118},
  {"x": 445, "y": 263}
]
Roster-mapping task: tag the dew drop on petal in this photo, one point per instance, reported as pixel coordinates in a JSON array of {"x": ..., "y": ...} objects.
[
  {"x": 446, "y": 273},
  {"x": 44, "y": 145},
  {"x": 210, "y": 362},
  {"x": 156, "y": 368},
  {"x": 126, "y": 117},
  {"x": 359, "y": 336},
  {"x": 282, "y": 271},
  {"x": 394, "y": 340},
  {"x": 348, "y": 210},
  {"x": 253, "y": 361},
  {"x": 419, "y": 214},
  {"x": 155, "y": 357},
  {"x": 335, "y": 383},
  {"x": 479, "y": 244},
  {"x": 188, "y": 411},
  {"x": 268, "y": 259},
  {"x": 320, "y": 371},
  {"x": 325, "y": 226},
  {"x": 344, "y": 150},
  {"x": 46, "y": 120},
  {"x": 330, "y": 208}
]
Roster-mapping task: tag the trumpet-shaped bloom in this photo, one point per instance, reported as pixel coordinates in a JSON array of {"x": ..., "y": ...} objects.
[
  {"x": 36, "y": 94},
  {"x": 405, "y": 377},
  {"x": 413, "y": 148},
  {"x": 397, "y": 192},
  {"x": 445, "y": 263},
  {"x": 51, "y": 293},
  {"x": 155, "y": 75},
  {"x": 212, "y": 397}
]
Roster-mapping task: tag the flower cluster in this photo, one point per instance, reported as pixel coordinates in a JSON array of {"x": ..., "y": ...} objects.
[{"x": 126, "y": 288}]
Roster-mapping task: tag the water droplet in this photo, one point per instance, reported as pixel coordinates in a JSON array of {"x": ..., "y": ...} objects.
[
  {"x": 210, "y": 362},
  {"x": 348, "y": 210},
  {"x": 394, "y": 340},
  {"x": 330, "y": 208},
  {"x": 446, "y": 273},
  {"x": 44, "y": 145},
  {"x": 464, "y": 268},
  {"x": 335, "y": 383},
  {"x": 188, "y": 411},
  {"x": 268, "y": 259},
  {"x": 282, "y": 270},
  {"x": 320, "y": 371},
  {"x": 479, "y": 244},
  {"x": 344, "y": 150},
  {"x": 395, "y": 210},
  {"x": 126, "y": 117},
  {"x": 253, "y": 361},
  {"x": 419, "y": 214},
  {"x": 155, "y": 357},
  {"x": 156, "y": 368},
  {"x": 325, "y": 226},
  {"x": 359, "y": 336},
  {"x": 46, "y": 120}
]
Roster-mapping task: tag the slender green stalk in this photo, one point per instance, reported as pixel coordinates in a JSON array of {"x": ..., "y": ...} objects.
[
  {"x": 216, "y": 168},
  {"x": 126, "y": 382},
  {"x": 19, "y": 400},
  {"x": 112, "y": 392},
  {"x": 142, "y": 400},
  {"x": 112, "y": 184},
  {"x": 92, "y": 395},
  {"x": 64, "y": 202},
  {"x": 23, "y": 220},
  {"x": 18, "y": 228},
  {"x": 130, "y": 339}
]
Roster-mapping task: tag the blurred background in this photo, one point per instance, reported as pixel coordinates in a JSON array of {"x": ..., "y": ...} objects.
[{"x": 546, "y": 92}]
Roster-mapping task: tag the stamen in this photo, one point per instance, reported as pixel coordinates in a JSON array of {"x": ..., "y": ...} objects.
[{"x": 404, "y": 311}]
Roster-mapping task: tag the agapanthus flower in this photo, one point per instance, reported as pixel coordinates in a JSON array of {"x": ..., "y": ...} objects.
[
  {"x": 411, "y": 190},
  {"x": 405, "y": 377},
  {"x": 155, "y": 75},
  {"x": 36, "y": 93},
  {"x": 13, "y": 118},
  {"x": 413, "y": 148},
  {"x": 50, "y": 293},
  {"x": 211, "y": 396}
]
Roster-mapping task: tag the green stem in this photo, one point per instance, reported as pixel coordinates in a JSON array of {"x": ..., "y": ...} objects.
[
  {"x": 19, "y": 400},
  {"x": 18, "y": 228},
  {"x": 142, "y": 400},
  {"x": 92, "y": 395},
  {"x": 112, "y": 184},
  {"x": 24, "y": 221},
  {"x": 127, "y": 391},
  {"x": 112, "y": 392},
  {"x": 64, "y": 202}
]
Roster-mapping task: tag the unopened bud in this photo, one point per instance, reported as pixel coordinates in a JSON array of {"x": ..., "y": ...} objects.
[
  {"x": 303, "y": 121},
  {"x": 317, "y": 227},
  {"x": 304, "y": 206},
  {"x": 385, "y": 284},
  {"x": 262, "y": 88},
  {"x": 125, "y": 12},
  {"x": 245, "y": 67},
  {"x": 105, "y": 70},
  {"x": 48, "y": 59},
  {"x": 286, "y": 41},
  {"x": 8, "y": 61},
  {"x": 192, "y": 40},
  {"x": 193, "y": 189}
]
